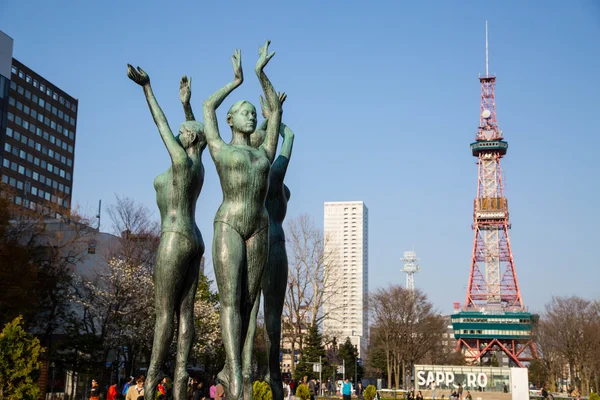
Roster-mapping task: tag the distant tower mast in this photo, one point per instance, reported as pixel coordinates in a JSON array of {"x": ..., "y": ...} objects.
[
  {"x": 411, "y": 266},
  {"x": 493, "y": 318},
  {"x": 493, "y": 279}
]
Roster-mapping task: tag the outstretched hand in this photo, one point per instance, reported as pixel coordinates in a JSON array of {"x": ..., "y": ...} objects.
[
  {"x": 139, "y": 76},
  {"x": 263, "y": 57},
  {"x": 185, "y": 89},
  {"x": 264, "y": 107},
  {"x": 236, "y": 60}
]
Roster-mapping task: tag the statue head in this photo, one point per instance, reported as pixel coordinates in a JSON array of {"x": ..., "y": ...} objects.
[
  {"x": 241, "y": 117},
  {"x": 191, "y": 136}
]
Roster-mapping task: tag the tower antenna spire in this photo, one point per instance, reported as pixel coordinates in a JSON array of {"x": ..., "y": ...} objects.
[{"x": 486, "y": 50}]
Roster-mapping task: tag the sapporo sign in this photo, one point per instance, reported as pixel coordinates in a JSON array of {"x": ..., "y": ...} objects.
[{"x": 426, "y": 378}]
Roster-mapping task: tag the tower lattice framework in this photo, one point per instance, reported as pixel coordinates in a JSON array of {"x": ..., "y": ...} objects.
[
  {"x": 494, "y": 319},
  {"x": 493, "y": 278}
]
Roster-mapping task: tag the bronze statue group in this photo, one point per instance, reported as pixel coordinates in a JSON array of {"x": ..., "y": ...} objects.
[{"x": 248, "y": 250}]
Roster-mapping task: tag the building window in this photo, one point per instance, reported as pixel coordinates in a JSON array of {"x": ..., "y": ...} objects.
[
  {"x": 21, "y": 74},
  {"x": 28, "y": 79},
  {"x": 35, "y": 83},
  {"x": 14, "y": 70}
]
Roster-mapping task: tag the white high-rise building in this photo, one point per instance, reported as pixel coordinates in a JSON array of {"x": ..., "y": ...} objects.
[{"x": 347, "y": 271}]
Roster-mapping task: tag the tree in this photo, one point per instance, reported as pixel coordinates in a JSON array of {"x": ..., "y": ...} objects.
[
  {"x": 539, "y": 373},
  {"x": 261, "y": 391},
  {"x": 406, "y": 328},
  {"x": 19, "y": 354},
  {"x": 569, "y": 334},
  {"x": 348, "y": 353},
  {"x": 116, "y": 302},
  {"x": 208, "y": 345},
  {"x": 311, "y": 354},
  {"x": 117, "y": 310},
  {"x": 370, "y": 392},
  {"x": 309, "y": 284},
  {"x": 139, "y": 234},
  {"x": 39, "y": 249}
]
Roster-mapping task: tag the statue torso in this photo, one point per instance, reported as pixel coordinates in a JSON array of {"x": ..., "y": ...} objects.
[
  {"x": 244, "y": 175},
  {"x": 177, "y": 191}
]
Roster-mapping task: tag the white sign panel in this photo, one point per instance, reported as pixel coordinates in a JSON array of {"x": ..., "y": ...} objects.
[{"x": 474, "y": 380}]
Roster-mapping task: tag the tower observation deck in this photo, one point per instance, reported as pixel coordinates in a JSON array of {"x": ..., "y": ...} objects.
[{"x": 493, "y": 318}]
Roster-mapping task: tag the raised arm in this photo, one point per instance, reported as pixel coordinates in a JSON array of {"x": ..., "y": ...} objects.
[
  {"x": 185, "y": 95},
  {"x": 270, "y": 143},
  {"x": 266, "y": 110},
  {"x": 210, "y": 105},
  {"x": 141, "y": 78},
  {"x": 285, "y": 153}
]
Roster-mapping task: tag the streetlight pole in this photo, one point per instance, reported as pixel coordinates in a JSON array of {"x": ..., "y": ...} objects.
[
  {"x": 356, "y": 371},
  {"x": 320, "y": 376},
  {"x": 53, "y": 366}
]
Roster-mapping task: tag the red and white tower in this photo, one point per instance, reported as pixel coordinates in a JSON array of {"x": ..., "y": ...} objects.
[{"x": 493, "y": 317}]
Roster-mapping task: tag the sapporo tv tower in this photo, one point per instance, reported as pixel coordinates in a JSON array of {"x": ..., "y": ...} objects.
[{"x": 493, "y": 323}]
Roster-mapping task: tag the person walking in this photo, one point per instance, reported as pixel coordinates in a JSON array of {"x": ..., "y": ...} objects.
[
  {"x": 346, "y": 389},
  {"x": 460, "y": 391},
  {"x": 433, "y": 390},
  {"x": 95, "y": 391},
  {"x": 330, "y": 388},
  {"x": 287, "y": 391},
  {"x": 198, "y": 393},
  {"x": 111, "y": 393},
  {"x": 219, "y": 392},
  {"x": 312, "y": 387},
  {"x": 134, "y": 392},
  {"x": 127, "y": 385},
  {"x": 212, "y": 391},
  {"x": 359, "y": 390}
]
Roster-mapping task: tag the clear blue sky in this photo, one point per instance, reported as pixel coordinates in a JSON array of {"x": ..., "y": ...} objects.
[{"x": 384, "y": 101}]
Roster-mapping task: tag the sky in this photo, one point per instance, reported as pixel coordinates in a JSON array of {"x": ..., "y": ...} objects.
[{"x": 383, "y": 98}]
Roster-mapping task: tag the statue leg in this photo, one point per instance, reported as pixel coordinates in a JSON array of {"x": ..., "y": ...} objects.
[
  {"x": 257, "y": 248},
  {"x": 274, "y": 285},
  {"x": 229, "y": 255},
  {"x": 186, "y": 331},
  {"x": 172, "y": 257}
]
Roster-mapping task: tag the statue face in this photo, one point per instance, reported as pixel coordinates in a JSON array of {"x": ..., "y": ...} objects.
[{"x": 244, "y": 119}]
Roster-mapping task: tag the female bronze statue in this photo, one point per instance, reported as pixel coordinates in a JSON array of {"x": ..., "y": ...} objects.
[
  {"x": 241, "y": 226},
  {"x": 274, "y": 282},
  {"x": 181, "y": 247}
]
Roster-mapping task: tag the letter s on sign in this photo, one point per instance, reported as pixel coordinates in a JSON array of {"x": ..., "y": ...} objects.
[{"x": 421, "y": 377}]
